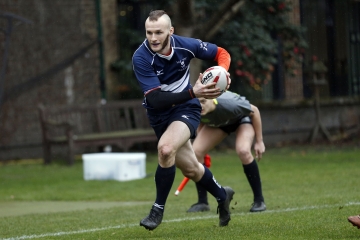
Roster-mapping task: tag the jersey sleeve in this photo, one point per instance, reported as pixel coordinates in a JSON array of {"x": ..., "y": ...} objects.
[
  {"x": 210, "y": 51},
  {"x": 223, "y": 58},
  {"x": 200, "y": 49},
  {"x": 243, "y": 106},
  {"x": 145, "y": 74}
]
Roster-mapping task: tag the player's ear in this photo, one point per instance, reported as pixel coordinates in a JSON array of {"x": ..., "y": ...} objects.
[{"x": 171, "y": 32}]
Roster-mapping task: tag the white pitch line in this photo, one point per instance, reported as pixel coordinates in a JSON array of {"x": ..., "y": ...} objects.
[{"x": 176, "y": 220}]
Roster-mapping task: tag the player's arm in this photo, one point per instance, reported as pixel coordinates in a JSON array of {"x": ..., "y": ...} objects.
[
  {"x": 158, "y": 99},
  {"x": 223, "y": 59},
  {"x": 259, "y": 145}
]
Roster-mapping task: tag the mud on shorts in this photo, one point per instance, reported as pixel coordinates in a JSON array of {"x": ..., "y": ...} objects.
[
  {"x": 189, "y": 113},
  {"x": 232, "y": 127}
]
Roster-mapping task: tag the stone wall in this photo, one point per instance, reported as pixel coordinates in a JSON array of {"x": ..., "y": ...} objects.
[
  {"x": 283, "y": 123},
  {"x": 293, "y": 123},
  {"x": 53, "y": 61}
]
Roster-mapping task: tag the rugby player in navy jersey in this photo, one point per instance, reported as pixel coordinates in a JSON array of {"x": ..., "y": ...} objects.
[
  {"x": 231, "y": 113},
  {"x": 161, "y": 65}
]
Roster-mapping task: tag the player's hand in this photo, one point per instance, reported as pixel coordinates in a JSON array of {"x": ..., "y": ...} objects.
[
  {"x": 259, "y": 148},
  {"x": 208, "y": 91},
  {"x": 228, "y": 74}
]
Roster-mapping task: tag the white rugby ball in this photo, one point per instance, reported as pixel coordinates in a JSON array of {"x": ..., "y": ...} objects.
[{"x": 216, "y": 74}]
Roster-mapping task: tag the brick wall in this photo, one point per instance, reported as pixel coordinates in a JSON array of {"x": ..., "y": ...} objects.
[{"x": 60, "y": 29}]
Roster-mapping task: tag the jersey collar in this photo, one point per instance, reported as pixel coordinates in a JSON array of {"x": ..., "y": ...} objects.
[{"x": 167, "y": 57}]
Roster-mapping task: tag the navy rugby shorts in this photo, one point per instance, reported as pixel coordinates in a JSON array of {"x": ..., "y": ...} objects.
[
  {"x": 189, "y": 113},
  {"x": 232, "y": 127}
]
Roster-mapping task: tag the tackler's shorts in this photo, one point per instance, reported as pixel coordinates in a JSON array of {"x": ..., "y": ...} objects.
[
  {"x": 189, "y": 113},
  {"x": 232, "y": 127}
]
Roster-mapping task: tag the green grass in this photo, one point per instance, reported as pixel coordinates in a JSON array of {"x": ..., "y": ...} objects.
[{"x": 309, "y": 193}]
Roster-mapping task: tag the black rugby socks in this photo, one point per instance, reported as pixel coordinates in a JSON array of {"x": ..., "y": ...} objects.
[
  {"x": 164, "y": 179},
  {"x": 253, "y": 176},
  {"x": 209, "y": 182}
]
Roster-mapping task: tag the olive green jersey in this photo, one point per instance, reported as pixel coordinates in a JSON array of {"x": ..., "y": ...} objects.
[{"x": 230, "y": 107}]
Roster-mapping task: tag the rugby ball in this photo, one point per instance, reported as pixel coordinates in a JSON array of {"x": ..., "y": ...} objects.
[{"x": 216, "y": 74}]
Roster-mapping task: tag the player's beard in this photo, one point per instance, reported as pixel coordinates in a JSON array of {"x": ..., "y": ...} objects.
[{"x": 165, "y": 43}]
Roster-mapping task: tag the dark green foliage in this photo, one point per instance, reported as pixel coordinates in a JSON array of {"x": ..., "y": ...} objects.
[{"x": 259, "y": 36}]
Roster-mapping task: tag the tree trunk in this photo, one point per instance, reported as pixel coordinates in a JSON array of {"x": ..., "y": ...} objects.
[{"x": 184, "y": 17}]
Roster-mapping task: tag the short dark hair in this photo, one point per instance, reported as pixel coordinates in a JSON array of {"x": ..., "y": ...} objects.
[{"x": 154, "y": 15}]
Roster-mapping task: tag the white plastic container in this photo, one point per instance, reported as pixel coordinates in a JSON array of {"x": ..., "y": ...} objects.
[{"x": 114, "y": 166}]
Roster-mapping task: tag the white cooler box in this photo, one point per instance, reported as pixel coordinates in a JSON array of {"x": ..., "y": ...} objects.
[{"x": 114, "y": 166}]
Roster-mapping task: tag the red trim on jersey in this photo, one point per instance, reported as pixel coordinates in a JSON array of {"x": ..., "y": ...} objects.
[
  {"x": 152, "y": 90},
  {"x": 169, "y": 52},
  {"x": 192, "y": 94},
  {"x": 223, "y": 58}
]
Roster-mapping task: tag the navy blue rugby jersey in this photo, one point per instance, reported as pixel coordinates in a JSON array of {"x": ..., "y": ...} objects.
[
  {"x": 171, "y": 73},
  {"x": 230, "y": 107}
]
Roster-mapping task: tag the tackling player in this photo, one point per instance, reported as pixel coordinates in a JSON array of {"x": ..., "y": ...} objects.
[{"x": 226, "y": 114}]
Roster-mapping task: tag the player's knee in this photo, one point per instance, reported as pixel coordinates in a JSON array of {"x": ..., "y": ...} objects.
[
  {"x": 166, "y": 151},
  {"x": 244, "y": 154},
  {"x": 191, "y": 173}
]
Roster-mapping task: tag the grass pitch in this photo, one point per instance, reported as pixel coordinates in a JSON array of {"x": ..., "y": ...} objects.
[{"x": 309, "y": 193}]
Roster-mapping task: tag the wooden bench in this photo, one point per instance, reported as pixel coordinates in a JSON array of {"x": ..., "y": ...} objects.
[{"x": 121, "y": 123}]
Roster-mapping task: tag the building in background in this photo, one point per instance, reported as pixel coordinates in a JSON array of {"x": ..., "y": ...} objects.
[
  {"x": 333, "y": 35},
  {"x": 53, "y": 60},
  {"x": 74, "y": 52}
]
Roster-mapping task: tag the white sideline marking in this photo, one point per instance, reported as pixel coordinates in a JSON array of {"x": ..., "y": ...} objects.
[{"x": 175, "y": 220}]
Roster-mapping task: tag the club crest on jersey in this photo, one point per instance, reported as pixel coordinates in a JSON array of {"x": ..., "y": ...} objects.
[{"x": 182, "y": 64}]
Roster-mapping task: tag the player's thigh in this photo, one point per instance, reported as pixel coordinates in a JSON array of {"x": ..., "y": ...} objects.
[
  {"x": 176, "y": 135},
  {"x": 207, "y": 138},
  {"x": 244, "y": 138}
]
